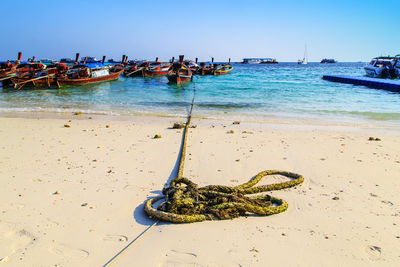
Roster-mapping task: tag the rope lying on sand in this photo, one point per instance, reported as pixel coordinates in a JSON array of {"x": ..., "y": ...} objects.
[{"x": 185, "y": 202}]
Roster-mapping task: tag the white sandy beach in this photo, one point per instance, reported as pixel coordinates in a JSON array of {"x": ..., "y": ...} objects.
[{"x": 73, "y": 196}]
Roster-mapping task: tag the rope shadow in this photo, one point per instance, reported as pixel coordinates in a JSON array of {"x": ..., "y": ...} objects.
[{"x": 138, "y": 214}]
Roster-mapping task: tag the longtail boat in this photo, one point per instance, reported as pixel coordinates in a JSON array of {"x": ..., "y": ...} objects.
[
  {"x": 207, "y": 68},
  {"x": 224, "y": 69},
  {"x": 179, "y": 73},
  {"x": 135, "y": 70},
  {"x": 156, "y": 68},
  {"x": 60, "y": 74},
  {"x": 130, "y": 69},
  {"x": 82, "y": 74},
  {"x": 9, "y": 69},
  {"x": 35, "y": 75}
]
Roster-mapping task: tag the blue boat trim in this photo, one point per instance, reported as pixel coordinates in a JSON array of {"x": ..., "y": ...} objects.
[{"x": 390, "y": 85}]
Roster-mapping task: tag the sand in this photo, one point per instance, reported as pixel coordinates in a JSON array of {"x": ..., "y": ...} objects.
[{"x": 73, "y": 196}]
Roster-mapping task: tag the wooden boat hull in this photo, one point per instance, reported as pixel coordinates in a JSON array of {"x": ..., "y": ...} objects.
[
  {"x": 42, "y": 83},
  {"x": 137, "y": 73},
  {"x": 131, "y": 71},
  {"x": 179, "y": 73},
  {"x": 195, "y": 70},
  {"x": 205, "y": 71},
  {"x": 151, "y": 73},
  {"x": 4, "y": 74},
  {"x": 59, "y": 81},
  {"x": 110, "y": 77},
  {"x": 8, "y": 71},
  {"x": 7, "y": 83},
  {"x": 178, "y": 79}
]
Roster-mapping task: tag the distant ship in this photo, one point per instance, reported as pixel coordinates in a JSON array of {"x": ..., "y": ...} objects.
[
  {"x": 259, "y": 61},
  {"x": 305, "y": 60},
  {"x": 328, "y": 60}
]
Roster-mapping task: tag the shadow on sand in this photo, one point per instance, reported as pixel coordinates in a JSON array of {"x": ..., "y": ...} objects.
[{"x": 138, "y": 214}]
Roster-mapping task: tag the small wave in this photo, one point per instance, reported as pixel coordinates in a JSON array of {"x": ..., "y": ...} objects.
[
  {"x": 201, "y": 104},
  {"x": 57, "y": 110},
  {"x": 227, "y": 105},
  {"x": 289, "y": 81},
  {"x": 165, "y": 104},
  {"x": 377, "y": 116}
]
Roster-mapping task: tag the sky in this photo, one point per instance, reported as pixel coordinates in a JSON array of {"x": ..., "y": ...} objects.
[{"x": 351, "y": 30}]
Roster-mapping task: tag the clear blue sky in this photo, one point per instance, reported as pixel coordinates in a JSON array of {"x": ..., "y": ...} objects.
[{"x": 351, "y": 30}]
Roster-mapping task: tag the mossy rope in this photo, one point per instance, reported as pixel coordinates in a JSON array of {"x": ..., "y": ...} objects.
[{"x": 185, "y": 202}]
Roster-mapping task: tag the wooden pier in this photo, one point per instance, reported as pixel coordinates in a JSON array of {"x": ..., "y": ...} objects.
[{"x": 390, "y": 85}]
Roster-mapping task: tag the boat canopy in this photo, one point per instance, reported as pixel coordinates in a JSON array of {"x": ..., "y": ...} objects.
[{"x": 94, "y": 65}]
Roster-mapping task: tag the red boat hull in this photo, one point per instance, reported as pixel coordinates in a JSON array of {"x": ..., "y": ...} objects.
[
  {"x": 149, "y": 73},
  {"x": 111, "y": 77}
]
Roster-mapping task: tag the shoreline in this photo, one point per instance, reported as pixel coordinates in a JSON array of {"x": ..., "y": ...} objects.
[{"x": 277, "y": 121}]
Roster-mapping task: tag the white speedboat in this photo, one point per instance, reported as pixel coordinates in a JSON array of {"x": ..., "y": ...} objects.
[
  {"x": 380, "y": 67},
  {"x": 396, "y": 65}
]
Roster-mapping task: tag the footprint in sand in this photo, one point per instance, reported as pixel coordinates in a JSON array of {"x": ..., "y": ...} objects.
[
  {"x": 13, "y": 240},
  {"x": 177, "y": 258},
  {"x": 68, "y": 252},
  {"x": 115, "y": 238},
  {"x": 374, "y": 252}
]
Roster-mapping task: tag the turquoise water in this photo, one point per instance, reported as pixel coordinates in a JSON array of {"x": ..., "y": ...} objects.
[{"x": 270, "y": 91}]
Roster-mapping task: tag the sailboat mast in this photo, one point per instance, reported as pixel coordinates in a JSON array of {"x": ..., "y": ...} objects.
[{"x": 305, "y": 60}]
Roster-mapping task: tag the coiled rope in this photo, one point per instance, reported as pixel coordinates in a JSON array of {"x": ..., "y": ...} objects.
[{"x": 184, "y": 202}]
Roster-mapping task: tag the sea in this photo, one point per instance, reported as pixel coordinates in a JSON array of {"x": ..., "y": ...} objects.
[{"x": 284, "y": 91}]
